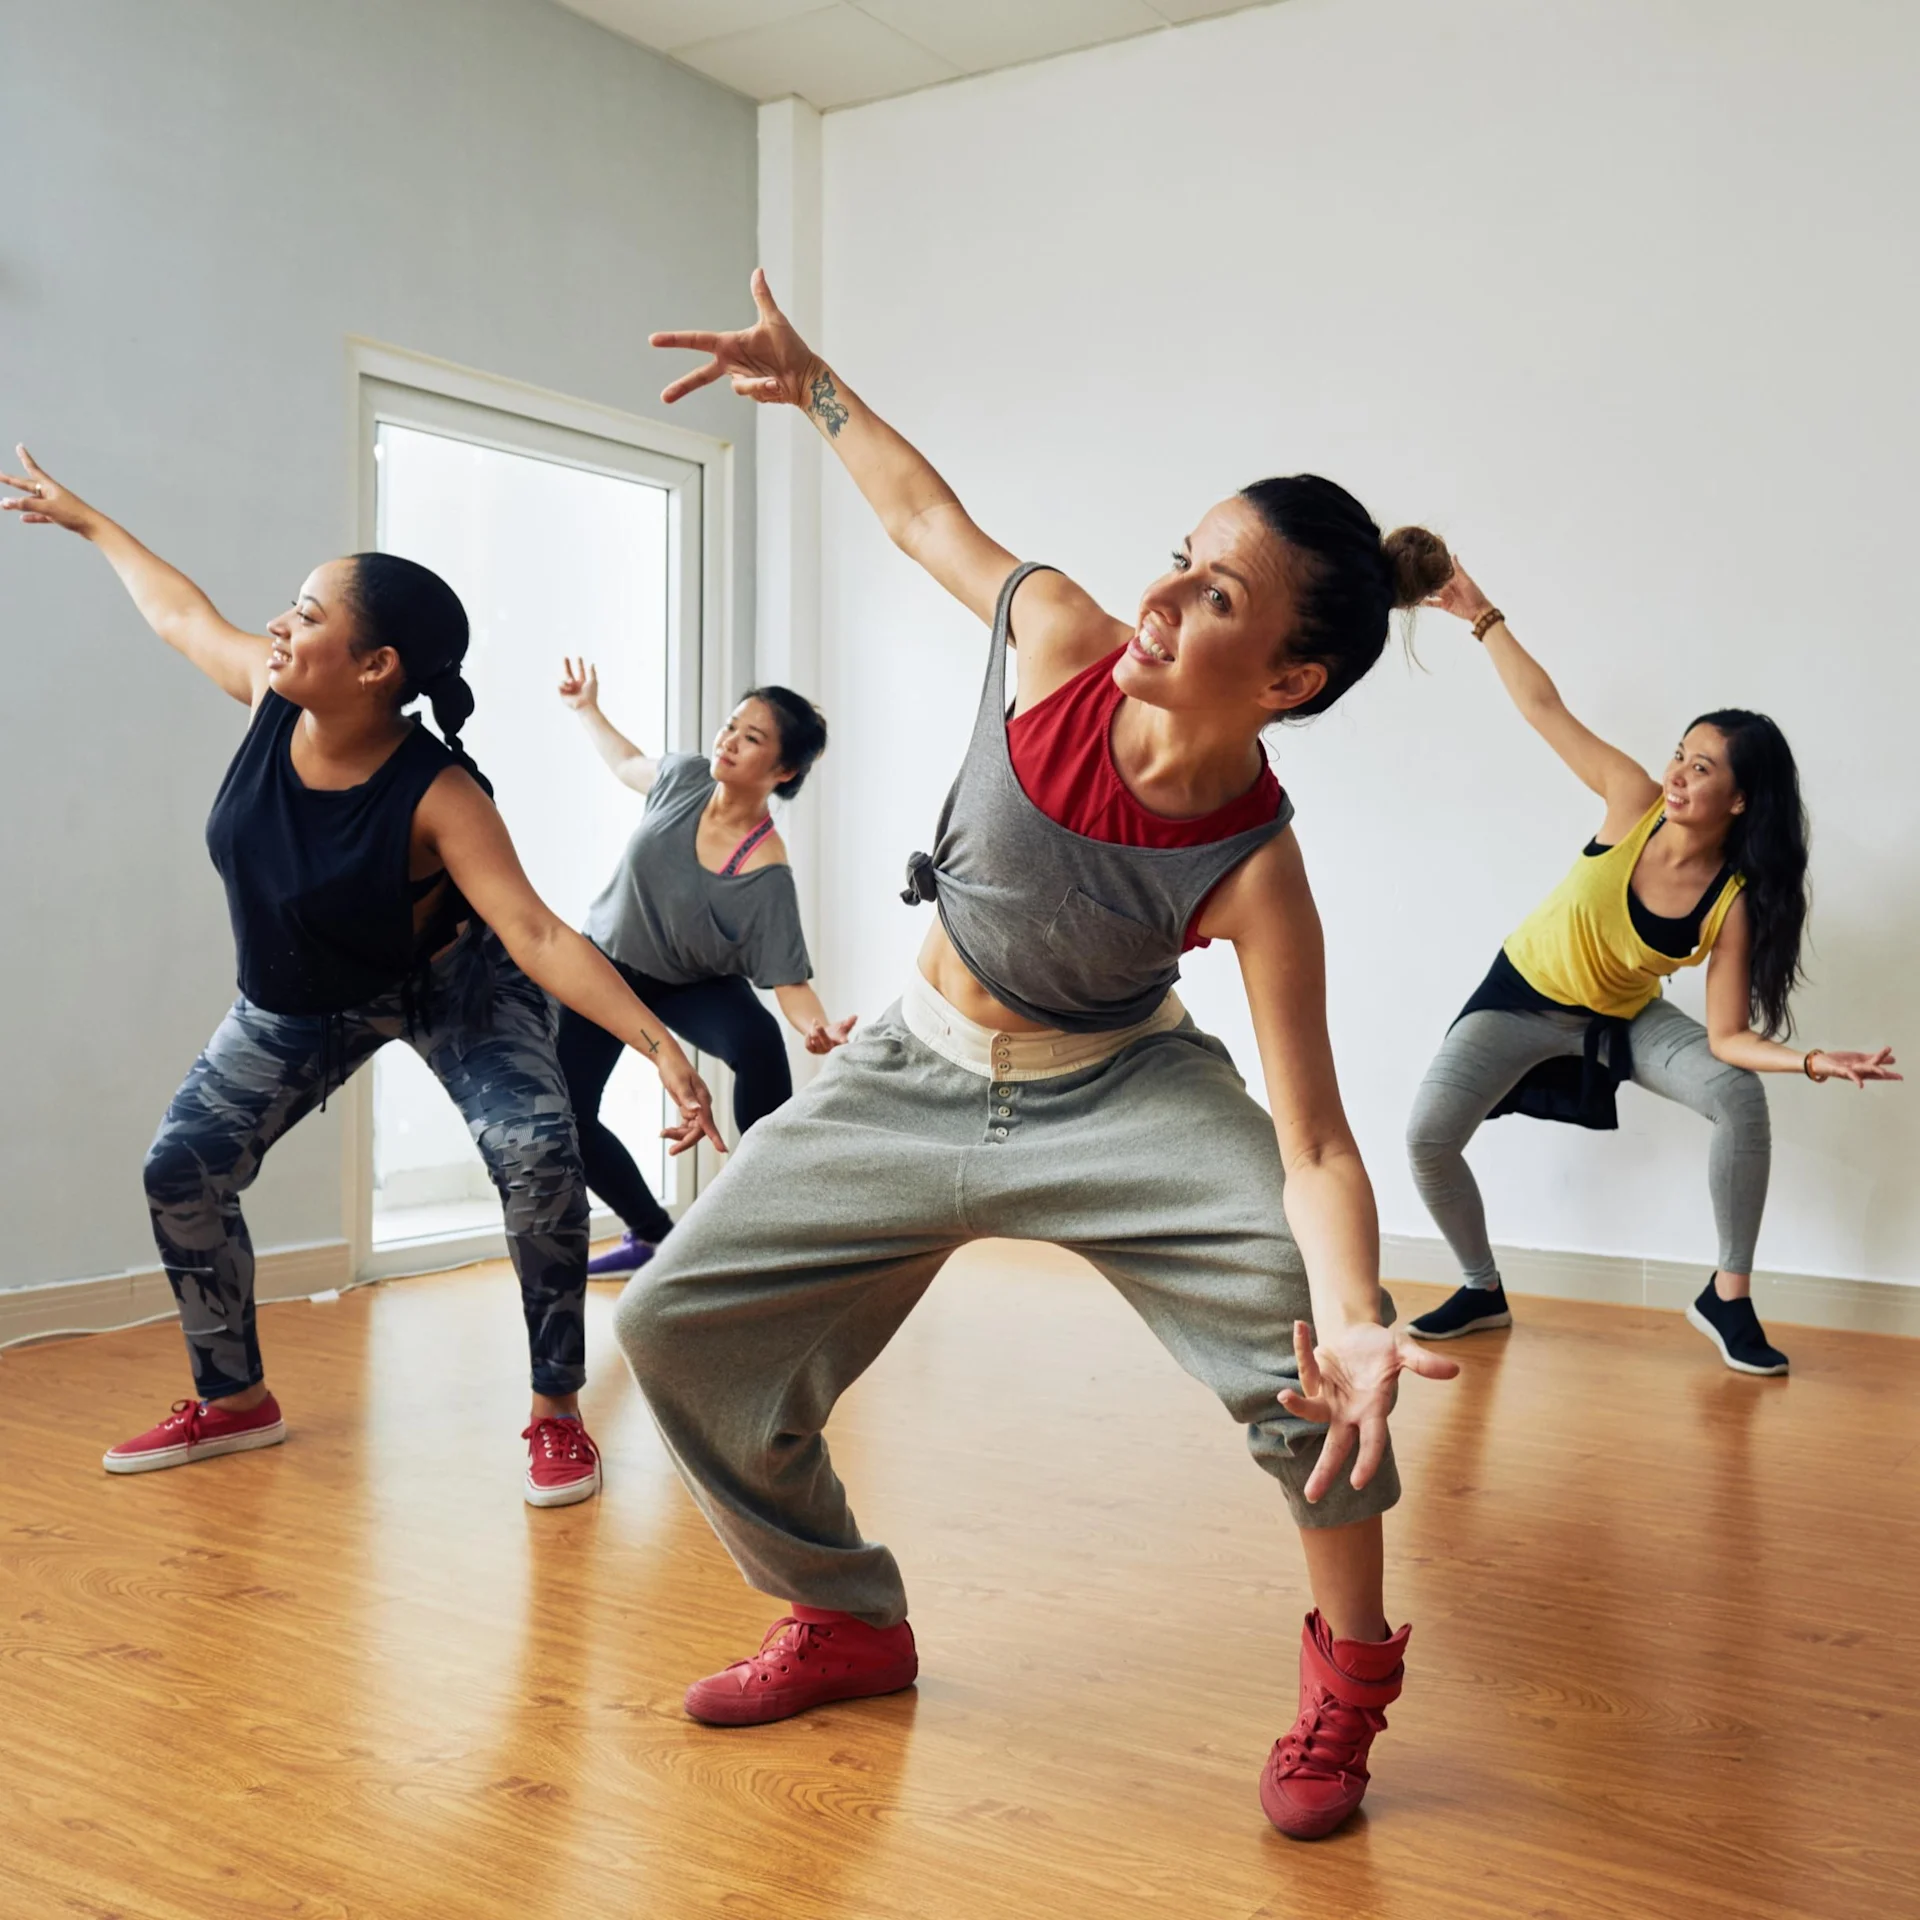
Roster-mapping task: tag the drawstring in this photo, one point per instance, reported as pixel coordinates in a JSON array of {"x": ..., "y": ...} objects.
[
  {"x": 330, "y": 1027},
  {"x": 922, "y": 883}
]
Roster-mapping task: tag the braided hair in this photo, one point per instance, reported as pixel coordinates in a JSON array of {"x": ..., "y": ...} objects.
[{"x": 409, "y": 608}]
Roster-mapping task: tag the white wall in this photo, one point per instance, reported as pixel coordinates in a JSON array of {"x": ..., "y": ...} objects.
[
  {"x": 1620, "y": 295},
  {"x": 208, "y": 198}
]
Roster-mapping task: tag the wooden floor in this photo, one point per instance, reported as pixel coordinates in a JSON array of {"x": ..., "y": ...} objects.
[{"x": 1665, "y": 1659}]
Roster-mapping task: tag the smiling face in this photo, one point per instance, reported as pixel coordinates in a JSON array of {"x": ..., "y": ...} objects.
[
  {"x": 1700, "y": 789},
  {"x": 312, "y": 661},
  {"x": 1213, "y": 628},
  {"x": 746, "y": 750}
]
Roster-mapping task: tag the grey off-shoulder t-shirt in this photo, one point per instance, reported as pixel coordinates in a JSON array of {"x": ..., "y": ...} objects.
[{"x": 666, "y": 916}]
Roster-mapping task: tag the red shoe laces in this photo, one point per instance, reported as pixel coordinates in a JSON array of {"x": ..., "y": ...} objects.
[
  {"x": 1331, "y": 1738},
  {"x": 787, "y": 1637},
  {"x": 561, "y": 1439}
]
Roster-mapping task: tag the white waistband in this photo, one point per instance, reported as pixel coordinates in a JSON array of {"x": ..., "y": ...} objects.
[{"x": 936, "y": 1022}]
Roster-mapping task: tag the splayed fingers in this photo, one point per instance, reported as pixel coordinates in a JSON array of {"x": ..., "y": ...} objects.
[
  {"x": 1347, "y": 1385},
  {"x": 767, "y": 361}
]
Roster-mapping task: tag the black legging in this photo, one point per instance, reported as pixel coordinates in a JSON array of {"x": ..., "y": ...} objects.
[{"x": 722, "y": 1017}]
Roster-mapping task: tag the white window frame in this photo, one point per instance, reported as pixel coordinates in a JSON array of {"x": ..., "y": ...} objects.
[{"x": 390, "y": 384}]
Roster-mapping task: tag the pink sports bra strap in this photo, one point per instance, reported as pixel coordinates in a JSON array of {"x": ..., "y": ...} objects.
[{"x": 746, "y": 846}]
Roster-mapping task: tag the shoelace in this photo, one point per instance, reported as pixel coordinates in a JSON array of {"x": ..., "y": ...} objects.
[
  {"x": 188, "y": 1416},
  {"x": 562, "y": 1439},
  {"x": 1330, "y": 1739},
  {"x": 786, "y": 1637}
]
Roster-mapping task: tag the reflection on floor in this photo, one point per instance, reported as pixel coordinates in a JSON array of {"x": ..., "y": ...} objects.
[{"x": 1665, "y": 1658}]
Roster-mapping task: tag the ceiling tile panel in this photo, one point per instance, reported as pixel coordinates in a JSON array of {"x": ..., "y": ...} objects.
[
  {"x": 668, "y": 24},
  {"x": 833, "y": 57},
  {"x": 1176, "y": 11},
  {"x": 980, "y": 35}
]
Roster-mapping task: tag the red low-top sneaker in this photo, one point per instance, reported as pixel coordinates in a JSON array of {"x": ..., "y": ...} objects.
[
  {"x": 195, "y": 1431},
  {"x": 1317, "y": 1775},
  {"x": 563, "y": 1464},
  {"x": 806, "y": 1660}
]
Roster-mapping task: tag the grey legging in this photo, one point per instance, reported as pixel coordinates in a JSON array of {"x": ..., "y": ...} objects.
[{"x": 1487, "y": 1053}]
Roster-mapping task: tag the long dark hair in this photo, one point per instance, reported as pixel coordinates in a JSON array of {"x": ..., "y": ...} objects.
[
  {"x": 803, "y": 733},
  {"x": 1767, "y": 844},
  {"x": 1349, "y": 579},
  {"x": 409, "y": 608}
]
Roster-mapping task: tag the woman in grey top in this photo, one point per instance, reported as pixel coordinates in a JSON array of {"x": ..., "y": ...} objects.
[
  {"x": 702, "y": 908},
  {"x": 1038, "y": 1080}
]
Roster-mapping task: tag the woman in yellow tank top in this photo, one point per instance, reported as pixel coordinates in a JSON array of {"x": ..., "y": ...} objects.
[{"x": 1708, "y": 863}]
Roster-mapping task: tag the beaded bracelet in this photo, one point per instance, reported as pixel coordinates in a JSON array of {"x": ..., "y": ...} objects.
[{"x": 1491, "y": 618}]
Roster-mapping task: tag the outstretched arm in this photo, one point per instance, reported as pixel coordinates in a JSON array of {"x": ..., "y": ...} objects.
[
  {"x": 183, "y": 616},
  {"x": 1348, "y": 1360},
  {"x": 465, "y": 829},
  {"x": 770, "y": 363},
  {"x": 808, "y": 1017},
  {"x": 580, "y": 690},
  {"x": 1730, "y": 1019},
  {"x": 1626, "y": 786}
]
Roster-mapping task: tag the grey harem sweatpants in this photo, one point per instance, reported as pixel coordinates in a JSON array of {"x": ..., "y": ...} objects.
[{"x": 783, "y": 1284}]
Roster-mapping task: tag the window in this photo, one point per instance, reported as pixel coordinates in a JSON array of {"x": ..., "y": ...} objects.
[{"x": 558, "y": 542}]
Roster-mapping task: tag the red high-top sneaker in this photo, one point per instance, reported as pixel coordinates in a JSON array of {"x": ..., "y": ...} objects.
[
  {"x": 806, "y": 1660},
  {"x": 1317, "y": 1775}
]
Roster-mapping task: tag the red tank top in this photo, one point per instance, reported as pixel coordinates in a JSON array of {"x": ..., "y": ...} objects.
[{"x": 1062, "y": 754}]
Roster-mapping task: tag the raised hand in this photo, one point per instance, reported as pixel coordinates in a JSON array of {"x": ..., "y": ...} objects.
[
  {"x": 1849, "y": 1065},
  {"x": 1347, "y": 1386},
  {"x": 1460, "y": 596},
  {"x": 767, "y": 361},
  {"x": 43, "y": 501},
  {"x": 690, "y": 1094},
  {"x": 579, "y": 684},
  {"x": 823, "y": 1036}
]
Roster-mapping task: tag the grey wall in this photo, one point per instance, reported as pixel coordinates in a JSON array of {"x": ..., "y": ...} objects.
[{"x": 205, "y": 199}]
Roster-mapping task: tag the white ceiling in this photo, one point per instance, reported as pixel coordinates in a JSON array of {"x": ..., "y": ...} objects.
[{"x": 836, "y": 53}]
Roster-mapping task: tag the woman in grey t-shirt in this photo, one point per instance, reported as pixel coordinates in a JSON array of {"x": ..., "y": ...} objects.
[{"x": 703, "y": 909}]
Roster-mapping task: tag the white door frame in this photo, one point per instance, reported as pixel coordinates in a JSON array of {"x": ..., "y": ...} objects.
[{"x": 390, "y": 383}]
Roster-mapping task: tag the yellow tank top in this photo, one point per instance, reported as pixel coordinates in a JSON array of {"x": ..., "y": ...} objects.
[{"x": 1579, "y": 946}]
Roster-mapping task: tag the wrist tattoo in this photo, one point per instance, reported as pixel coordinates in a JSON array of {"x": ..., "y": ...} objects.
[
  {"x": 653, "y": 1045},
  {"x": 824, "y": 403}
]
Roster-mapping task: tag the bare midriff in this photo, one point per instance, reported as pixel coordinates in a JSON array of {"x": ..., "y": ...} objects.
[{"x": 946, "y": 973}]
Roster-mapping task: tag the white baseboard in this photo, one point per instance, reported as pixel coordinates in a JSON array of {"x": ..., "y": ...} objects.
[
  {"x": 441, "y": 1252},
  {"x": 1786, "y": 1299},
  {"x": 130, "y": 1299},
  {"x": 293, "y": 1273}
]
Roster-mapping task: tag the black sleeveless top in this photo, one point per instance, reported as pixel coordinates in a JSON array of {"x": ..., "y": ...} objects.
[{"x": 317, "y": 882}]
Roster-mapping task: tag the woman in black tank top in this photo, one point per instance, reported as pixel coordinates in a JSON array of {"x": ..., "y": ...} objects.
[{"x": 375, "y": 895}]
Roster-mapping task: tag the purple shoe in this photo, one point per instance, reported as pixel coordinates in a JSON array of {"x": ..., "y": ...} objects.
[{"x": 629, "y": 1256}]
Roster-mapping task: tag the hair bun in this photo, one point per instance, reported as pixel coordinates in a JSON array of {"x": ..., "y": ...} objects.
[{"x": 1418, "y": 564}]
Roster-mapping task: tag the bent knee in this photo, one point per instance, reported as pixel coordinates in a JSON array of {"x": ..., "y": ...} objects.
[
  {"x": 181, "y": 1166},
  {"x": 535, "y": 1165},
  {"x": 1433, "y": 1140},
  {"x": 1737, "y": 1098}
]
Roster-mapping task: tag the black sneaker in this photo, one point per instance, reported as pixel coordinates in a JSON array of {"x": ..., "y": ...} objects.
[
  {"x": 1469, "y": 1310},
  {"x": 1734, "y": 1327}
]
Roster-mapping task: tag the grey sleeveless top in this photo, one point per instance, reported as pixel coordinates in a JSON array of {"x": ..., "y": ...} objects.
[
  {"x": 665, "y": 915},
  {"x": 1075, "y": 933}
]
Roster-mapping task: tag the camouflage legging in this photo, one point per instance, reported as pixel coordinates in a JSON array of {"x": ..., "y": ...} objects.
[{"x": 261, "y": 1072}]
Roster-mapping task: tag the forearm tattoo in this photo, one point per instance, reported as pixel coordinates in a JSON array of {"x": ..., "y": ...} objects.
[{"x": 824, "y": 403}]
